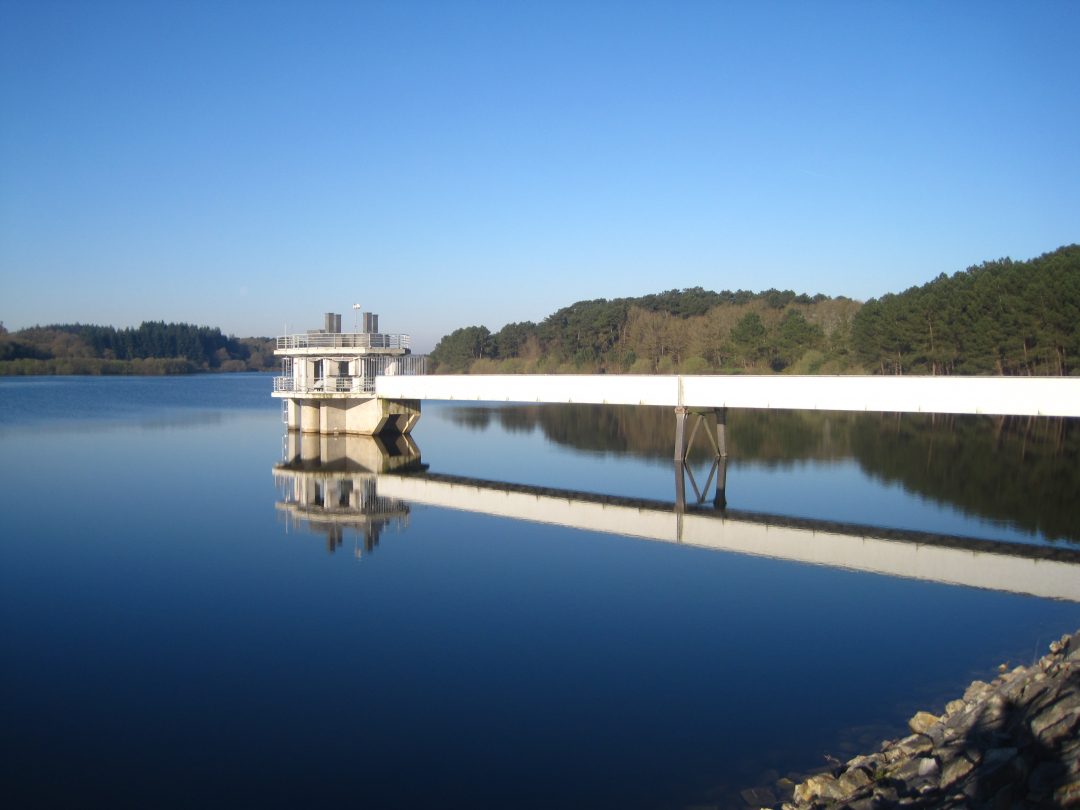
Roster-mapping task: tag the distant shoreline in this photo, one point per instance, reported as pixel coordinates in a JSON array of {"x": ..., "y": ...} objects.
[{"x": 96, "y": 367}]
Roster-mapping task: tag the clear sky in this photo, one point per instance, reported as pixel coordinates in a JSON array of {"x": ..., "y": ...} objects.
[{"x": 251, "y": 165}]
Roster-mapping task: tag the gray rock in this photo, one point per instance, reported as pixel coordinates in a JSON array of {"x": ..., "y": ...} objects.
[
  {"x": 861, "y": 761},
  {"x": 886, "y": 795},
  {"x": 976, "y": 690},
  {"x": 1035, "y": 688},
  {"x": 996, "y": 757},
  {"x": 822, "y": 786},
  {"x": 1055, "y": 723},
  {"x": 853, "y": 779},
  {"x": 1044, "y": 778},
  {"x": 913, "y": 746},
  {"x": 928, "y": 766},
  {"x": 785, "y": 788},
  {"x": 962, "y": 722},
  {"x": 1068, "y": 795},
  {"x": 907, "y": 773},
  {"x": 954, "y": 771},
  {"x": 1013, "y": 743},
  {"x": 1000, "y": 768},
  {"x": 936, "y": 733},
  {"x": 954, "y": 706},
  {"x": 922, "y": 722}
]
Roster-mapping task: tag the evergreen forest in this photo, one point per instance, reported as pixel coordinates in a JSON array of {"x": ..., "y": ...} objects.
[
  {"x": 1000, "y": 317},
  {"x": 154, "y": 347}
]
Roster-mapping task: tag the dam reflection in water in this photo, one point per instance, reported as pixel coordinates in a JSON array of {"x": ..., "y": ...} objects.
[{"x": 331, "y": 485}]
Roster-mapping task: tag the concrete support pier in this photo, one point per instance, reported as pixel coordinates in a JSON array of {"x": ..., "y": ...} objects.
[{"x": 368, "y": 416}]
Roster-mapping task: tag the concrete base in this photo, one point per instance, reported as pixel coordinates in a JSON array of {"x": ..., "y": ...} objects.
[{"x": 365, "y": 417}]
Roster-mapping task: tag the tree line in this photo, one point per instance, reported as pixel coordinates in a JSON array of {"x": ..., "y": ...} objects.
[
  {"x": 1001, "y": 317},
  {"x": 692, "y": 331},
  {"x": 154, "y": 347}
]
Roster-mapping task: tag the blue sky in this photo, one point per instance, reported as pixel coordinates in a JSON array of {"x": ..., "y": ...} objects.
[{"x": 251, "y": 165}]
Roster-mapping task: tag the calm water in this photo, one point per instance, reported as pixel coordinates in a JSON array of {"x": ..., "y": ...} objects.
[{"x": 178, "y": 631}]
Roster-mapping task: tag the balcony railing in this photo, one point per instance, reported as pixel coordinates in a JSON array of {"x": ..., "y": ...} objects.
[
  {"x": 404, "y": 365},
  {"x": 343, "y": 340}
]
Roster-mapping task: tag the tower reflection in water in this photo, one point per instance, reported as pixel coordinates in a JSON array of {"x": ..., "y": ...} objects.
[
  {"x": 327, "y": 486},
  {"x": 331, "y": 485}
]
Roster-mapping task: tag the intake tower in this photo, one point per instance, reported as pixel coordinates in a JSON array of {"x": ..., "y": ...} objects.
[{"x": 327, "y": 379}]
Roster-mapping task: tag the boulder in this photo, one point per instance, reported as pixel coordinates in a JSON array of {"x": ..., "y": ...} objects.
[
  {"x": 976, "y": 690},
  {"x": 923, "y": 722},
  {"x": 822, "y": 786},
  {"x": 853, "y": 779},
  {"x": 1055, "y": 723},
  {"x": 954, "y": 770},
  {"x": 928, "y": 766}
]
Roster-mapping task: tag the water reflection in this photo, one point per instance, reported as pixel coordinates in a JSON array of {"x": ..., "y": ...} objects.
[
  {"x": 1023, "y": 471},
  {"x": 366, "y": 483},
  {"x": 328, "y": 486}
]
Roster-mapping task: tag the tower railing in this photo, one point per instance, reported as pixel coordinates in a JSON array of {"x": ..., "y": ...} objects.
[{"x": 343, "y": 340}]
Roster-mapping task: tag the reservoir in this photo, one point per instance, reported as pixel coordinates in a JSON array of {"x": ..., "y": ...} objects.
[{"x": 197, "y": 610}]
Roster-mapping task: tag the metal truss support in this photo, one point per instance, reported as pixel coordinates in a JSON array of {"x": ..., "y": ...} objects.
[{"x": 684, "y": 441}]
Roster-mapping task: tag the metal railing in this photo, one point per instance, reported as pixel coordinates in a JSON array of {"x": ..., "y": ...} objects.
[
  {"x": 390, "y": 366},
  {"x": 326, "y": 385},
  {"x": 343, "y": 340}
]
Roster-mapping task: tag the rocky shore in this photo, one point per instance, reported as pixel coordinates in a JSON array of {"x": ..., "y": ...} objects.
[{"x": 1011, "y": 743}]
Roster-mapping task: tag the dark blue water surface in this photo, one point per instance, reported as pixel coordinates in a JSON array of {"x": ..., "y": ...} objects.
[{"x": 171, "y": 639}]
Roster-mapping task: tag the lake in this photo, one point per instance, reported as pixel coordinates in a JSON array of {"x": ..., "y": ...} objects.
[{"x": 197, "y": 611}]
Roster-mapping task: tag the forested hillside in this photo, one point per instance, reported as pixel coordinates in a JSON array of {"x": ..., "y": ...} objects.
[
  {"x": 692, "y": 330},
  {"x": 154, "y": 347},
  {"x": 1001, "y": 317}
]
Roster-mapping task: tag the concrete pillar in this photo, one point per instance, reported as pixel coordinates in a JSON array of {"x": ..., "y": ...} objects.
[
  {"x": 309, "y": 416},
  {"x": 332, "y": 416},
  {"x": 292, "y": 414},
  {"x": 680, "y": 434},
  {"x": 721, "y": 432}
]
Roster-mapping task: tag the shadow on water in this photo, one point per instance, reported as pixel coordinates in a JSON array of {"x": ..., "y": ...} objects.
[{"x": 1021, "y": 470}]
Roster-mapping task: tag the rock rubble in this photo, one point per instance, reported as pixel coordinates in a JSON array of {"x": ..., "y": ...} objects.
[{"x": 1011, "y": 743}]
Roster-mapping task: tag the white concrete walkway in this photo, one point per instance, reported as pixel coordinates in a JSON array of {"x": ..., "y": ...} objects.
[{"x": 1017, "y": 396}]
